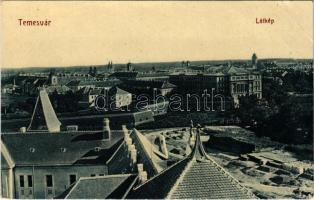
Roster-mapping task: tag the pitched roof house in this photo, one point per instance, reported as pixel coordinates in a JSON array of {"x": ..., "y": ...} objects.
[{"x": 196, "y": 176}]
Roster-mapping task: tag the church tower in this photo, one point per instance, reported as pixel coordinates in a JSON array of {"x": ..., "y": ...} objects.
[{"x": 254, "y": 61}]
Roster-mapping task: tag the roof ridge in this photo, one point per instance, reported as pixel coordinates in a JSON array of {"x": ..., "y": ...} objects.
[
  {"x": 159, "y": 174},
  {"x": 74, "y": 185},
  {"x": 198, "y": 149},
  {"x": 121, "y": 145},
  {"x": 217, "y": 166},
  {"x": 143, "y": 147}
]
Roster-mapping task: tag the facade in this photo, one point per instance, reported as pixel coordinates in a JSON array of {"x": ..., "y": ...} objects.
[
  {"x": 245, "y": 84},
  {"x": 46, "y": 164},
  {"x": 231, "y": 81},
  {"x": 119, "y": 98}
]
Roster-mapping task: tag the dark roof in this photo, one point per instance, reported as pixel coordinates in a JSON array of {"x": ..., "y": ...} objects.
[
  {"x": 235, "y": 70},
  {"x": 149, "y": 84},
  {"x": 115, "y": 90},
  {"x": 108, "y": 83},
  {"x": 101, "y": 187},
  {"x": 124, "y": 74},
  {"x": 64, "y": 148},
  {"x": 73, "y": 83},
  {"x": 96, "y": 91},
  {"x": 100, "y": 84},
  {"x": 145, "y": 115},
  {"x": 196, "y": 176},
  {"x": 51, "y": 119}
]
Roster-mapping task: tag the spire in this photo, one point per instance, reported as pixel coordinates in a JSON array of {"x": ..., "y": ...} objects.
[
  {"x": 191, "y": 124},
  {"x": 198, "y": 151},
  {"x": 191, "y": 138}
]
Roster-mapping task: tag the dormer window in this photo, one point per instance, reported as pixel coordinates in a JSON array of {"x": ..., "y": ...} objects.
[
  {"x": 32, "y": 149},
  {"x": 97, "y": 149}
]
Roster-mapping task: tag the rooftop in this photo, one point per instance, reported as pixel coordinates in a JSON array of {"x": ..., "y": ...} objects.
[
  {"x": 196, "y": 176},
  {"x": 63, "y": 148},
  {"x": 151, "y": 84},
  {"x": 100, "y": 187}
]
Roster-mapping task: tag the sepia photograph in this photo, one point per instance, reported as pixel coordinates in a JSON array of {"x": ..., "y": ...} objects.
[{"x": 156, "y": 100}]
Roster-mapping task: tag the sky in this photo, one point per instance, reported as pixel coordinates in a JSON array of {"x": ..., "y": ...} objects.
[{"x": 92, "y": 33}]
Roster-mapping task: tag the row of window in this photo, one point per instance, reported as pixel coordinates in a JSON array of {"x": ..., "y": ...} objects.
[
  {"x": 29, "y": 181},
  {"x": 244, "y": 77},
  {"x": 93, "y": 175},
  {"x": 48, "y": 178}
]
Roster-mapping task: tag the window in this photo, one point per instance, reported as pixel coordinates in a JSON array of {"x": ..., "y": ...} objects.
[
  {"x": 92, "y": 175},
  {"x": 49, "y": 192},
  {"x": 21, "y": 181},
  {"x": 101, "y": 174},
  {"x": 30, "y": 180},
  {"x": 32, "y": 149},
  {"x": 72, "y": 178},
  {"x": 49, "y": 182}
]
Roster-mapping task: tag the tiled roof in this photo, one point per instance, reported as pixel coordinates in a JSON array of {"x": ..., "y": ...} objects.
[
  {"x": 101, "y": 187},
  {"x": 64, "y": 148},
  {"x": 196, "y": 176},
  {"x": 159, "y": 186}
]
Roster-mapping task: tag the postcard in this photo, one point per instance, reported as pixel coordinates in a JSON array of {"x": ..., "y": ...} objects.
[{"x": 157, "y": 99}]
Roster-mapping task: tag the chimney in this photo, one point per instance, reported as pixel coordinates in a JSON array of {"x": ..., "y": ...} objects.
[
  {"x": 131, "y": 147},
  {"x": 133, "y": 156},
  {"x": 128, "y": 142},
  {"x": 125, "y": 130},
  {"x": 142, "y": 176},
  {"x": 23, "y": 129},
  {"x": 140, "y": 167},
  {"x": 106, "y": 132}
]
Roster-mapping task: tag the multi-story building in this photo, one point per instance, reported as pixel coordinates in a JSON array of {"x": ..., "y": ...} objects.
[
  {"x": 42, "y": 165},
  {"x": 231, "y": 81}
]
